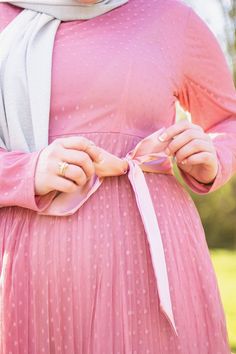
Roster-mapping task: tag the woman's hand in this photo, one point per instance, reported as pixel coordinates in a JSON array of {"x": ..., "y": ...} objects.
[
  {"x": 110, "y": 165},
  {"x": 84, "y": 159},
  {"x": 193, "y": 150},
  {"x": 78, "y": 152}
]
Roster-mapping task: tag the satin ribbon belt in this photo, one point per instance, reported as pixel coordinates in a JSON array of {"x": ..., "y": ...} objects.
[{"x": 147, "y": 156}]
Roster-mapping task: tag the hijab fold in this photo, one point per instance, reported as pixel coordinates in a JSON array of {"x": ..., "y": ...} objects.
[{"x": 26, "y": 65}]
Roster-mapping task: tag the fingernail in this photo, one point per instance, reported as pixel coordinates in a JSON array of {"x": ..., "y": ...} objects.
[
  {"x": 183, "y": 162},
  {"x": 126, "y": 166},
  {"x": 162, "y": 137}
]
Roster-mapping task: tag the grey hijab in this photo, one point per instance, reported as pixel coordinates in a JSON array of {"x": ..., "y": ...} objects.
[{"x": 25, "y": 70}]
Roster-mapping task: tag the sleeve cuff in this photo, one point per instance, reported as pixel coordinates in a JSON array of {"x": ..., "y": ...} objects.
[
  {"x": 34, "y": 202},
  {"x": 201, "y": 188},
  {"x": 223, "y": 175}
]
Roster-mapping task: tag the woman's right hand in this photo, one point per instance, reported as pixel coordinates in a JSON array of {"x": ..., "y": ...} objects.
[{"x": 79, "y": 152}]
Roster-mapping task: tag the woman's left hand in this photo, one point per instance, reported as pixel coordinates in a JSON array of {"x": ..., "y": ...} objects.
[
  {"x": 110, "y": 165},
  {"x": 193, "y": 149}
]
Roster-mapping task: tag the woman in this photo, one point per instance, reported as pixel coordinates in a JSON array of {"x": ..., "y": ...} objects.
[{"x": 94, "y": 259}]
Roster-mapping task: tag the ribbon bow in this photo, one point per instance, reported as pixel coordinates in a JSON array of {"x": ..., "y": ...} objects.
[{"x": 147, "y": 156}]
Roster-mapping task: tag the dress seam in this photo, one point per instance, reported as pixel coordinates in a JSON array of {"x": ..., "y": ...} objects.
[{"x": 80, "y": 133}]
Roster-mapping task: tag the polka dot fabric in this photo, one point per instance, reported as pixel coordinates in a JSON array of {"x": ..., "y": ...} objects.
[{"x": 84, "y": 284}]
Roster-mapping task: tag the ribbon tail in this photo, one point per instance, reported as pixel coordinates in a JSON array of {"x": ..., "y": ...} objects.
[
  {"x": 68, "y": 203},
  {"x": 148, "y": 215}
]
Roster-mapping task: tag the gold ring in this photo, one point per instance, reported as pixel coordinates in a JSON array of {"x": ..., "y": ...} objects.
[{"x": 62, "y": 168}]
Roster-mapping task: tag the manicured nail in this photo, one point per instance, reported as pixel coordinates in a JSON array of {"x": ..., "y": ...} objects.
[
  {"x": 126, "y": 167},
  {"x": 162, "y": 137}
]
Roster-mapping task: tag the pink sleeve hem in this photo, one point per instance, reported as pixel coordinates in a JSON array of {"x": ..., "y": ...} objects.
[
  {"x": 17, "y": 181},
  {"x": 222, "y": 177},
  {"x": 34, "y": 202}
]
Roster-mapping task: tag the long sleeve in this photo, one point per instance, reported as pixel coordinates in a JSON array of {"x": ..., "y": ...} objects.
[
  {"x": 207, "y": 91},
  {"x": 17, "y": 171}
]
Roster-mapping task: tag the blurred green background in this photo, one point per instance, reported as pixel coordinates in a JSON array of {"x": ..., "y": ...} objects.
[
  {"x": 218, "y": 209},
  {"x": 225, "y": 265}
]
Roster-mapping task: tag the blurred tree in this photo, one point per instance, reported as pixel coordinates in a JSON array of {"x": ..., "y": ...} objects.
[
  {"x": 224, "y": 13},
  {"x": 228, "y": 8},
  {"x": 218, "y": 210}
]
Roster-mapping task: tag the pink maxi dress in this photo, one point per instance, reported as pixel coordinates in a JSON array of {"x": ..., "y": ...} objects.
[{"x": 84, "y": 284}]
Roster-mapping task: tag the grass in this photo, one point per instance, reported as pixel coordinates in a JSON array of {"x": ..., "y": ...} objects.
[{"x": 225, "y": 266}]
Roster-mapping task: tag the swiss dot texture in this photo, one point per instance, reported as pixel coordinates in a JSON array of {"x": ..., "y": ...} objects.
[{"x": 84, "y": 284}]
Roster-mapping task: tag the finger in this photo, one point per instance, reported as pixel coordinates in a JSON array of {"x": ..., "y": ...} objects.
[
  {"x": 94, "y": 152},
  {"x": 177, "y": 128},
  {"x": 205, "y": 158},
  {"x": 184, "y": 138},
  {"x": 76, "y": 174},
  {"x": 79, "y": 158},
  {"x": 81, "y": 144},
  {"x": 64, "y": 185},
  {"x": 195, "y": 146}
]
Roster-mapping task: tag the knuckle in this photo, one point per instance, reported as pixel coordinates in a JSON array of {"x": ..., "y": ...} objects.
[
  {"x": 171, "y": 146},
  {"x": 98, "y": 154},
  {"x": 71, "y": 187},
  {"x": 196, "y": 144},
  {"x": 84, "y": 159},
  {"x": 186, "y": 123},
  {"x": 87, "y": 164},
  {"x": 207, "y": 157},
  {"x": 80, "y": 178},
  {"x": 191, "y": 134},
  {"x": 53, "y": 150},
  {"x": 82, "y": 181},
  {"x": 82, "y": 140},
  {"x": 56, "y": 142},
  {"x": 51, "y": 153},
  {"x": 44, "y": 164},
  {"x": 178, "y": 156},
  {"x": 90, "y": 171}
]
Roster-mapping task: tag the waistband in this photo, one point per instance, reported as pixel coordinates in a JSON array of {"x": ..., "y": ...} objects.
[{"x": 147, "y": 156}]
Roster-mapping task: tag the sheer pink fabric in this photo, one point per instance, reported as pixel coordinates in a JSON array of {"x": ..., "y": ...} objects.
[
  {"x": 85, "y": 283},
  {"x": 147, "y": 156}
]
